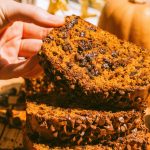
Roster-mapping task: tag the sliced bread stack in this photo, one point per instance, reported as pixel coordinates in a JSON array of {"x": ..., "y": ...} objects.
[{"x": 93, "y": 94}]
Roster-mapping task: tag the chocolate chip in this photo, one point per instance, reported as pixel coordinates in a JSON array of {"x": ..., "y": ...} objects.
[
  {"x": 69, "y": 64},
  {"x": 78, "y": 128},
  {"x": 82, "y": 133},
  {"x": 133, "y": 73},
  {"x": 84, "y": 126},
  {"x": 54, "y": 53},
  {"x": 75, "y": 21},
  {"x": 137, "y": 121},
  {"x": 101, "y": 121},
  {"x": 90, "y": 67},
  {"x": 137, "y": 67},
  {"x": 82, "y": 63},
  {"x": 115, "y": 65},
  {"x": 50, "y": 37},
  {"x": 47, "y": 40},
  {"x": 104, "y": 43},
  {"x": 129, "y": 147},
  {"x": 121, "y": 119},
  {"x": 121, "y": 42},
  {"x": 72, "y": 23},
  {"x": 103, "y": 132},
  {"x": 114, "y": 54},
  {"x": 72, "y": 87},
  {"x": 65, "y": 129},
  {"x": 80, "y": 50},
  {"x": 123, "y": 129},
  {"x": 93, "y": 127},
  {"x": 122, "y": 63},
  {"x": 82, "y": 34},
  {"x": 129, "y": 125},
  {"x": 63, "y": 35},
  {"x": 78, "y": 121},
  {"x": 91, "y": 28},
  {"x": 109, "y": 128},
  {"x": 52, "y": 128},
  {"x": 105, "y": 66},
  {"x": 78, "y": 57},
  {"x": 55, "y": 134},
  {"x": 90, "y": 56},
  {"x": 134, "y": 130},
  {"x": 94, "y": 72},
  {"x": 73, "y": 139},
  {"x": 67, "y": 47},
  {"x": 121, "y": 92},
  {"x": 58, "y": 78},
  {"x": 106, "y": 60},
  {"x": 120, "y": 139},
  {"x": 84, "y": 45},
  {"x": 138, "y": 99},
  {"x": 102, "y": 51},
  {"x": 79, "y": 141},
  {"x": 62, "y": 29}
]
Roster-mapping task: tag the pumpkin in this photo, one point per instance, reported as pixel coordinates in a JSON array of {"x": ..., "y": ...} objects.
[{"x": 128, "y": 19}]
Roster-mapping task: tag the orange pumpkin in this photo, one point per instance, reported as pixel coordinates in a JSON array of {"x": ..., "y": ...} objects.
[{"x": 128, "y": 19}]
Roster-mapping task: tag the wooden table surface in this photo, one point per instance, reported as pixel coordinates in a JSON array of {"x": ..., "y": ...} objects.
[{"x": 10, "y": 135}]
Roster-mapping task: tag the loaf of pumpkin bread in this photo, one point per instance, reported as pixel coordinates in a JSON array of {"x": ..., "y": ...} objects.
[
  {"x": 80, "y": 127},
  {"x": 96, "y": 66}
]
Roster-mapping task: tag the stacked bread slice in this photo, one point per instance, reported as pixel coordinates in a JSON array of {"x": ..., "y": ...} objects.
[{"x": 93, "y": 94}]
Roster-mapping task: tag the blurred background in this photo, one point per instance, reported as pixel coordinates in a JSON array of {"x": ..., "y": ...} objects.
[{"x": 88, "y": 9}]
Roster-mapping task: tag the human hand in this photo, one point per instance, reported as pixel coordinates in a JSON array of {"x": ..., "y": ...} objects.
[{"x": 22, "y": 28}]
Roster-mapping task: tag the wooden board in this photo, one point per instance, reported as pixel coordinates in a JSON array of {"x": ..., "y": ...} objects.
[
  {"x": 12, "y": 115},
  {"x": 11, "y": 136}
]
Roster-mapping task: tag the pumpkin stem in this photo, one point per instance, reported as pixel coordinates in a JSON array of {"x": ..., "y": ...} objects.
[{"x": 138, "y": 1}]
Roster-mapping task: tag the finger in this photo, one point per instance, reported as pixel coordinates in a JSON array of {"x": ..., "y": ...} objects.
[
  {"x": 29, "y": 47},
  {"x": 34, "y": 31},
  {"x": 14, "y": 11},
  {"x": 21, "y": 69}
]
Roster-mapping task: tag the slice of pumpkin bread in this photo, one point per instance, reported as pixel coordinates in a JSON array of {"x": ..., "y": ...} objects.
[
  {"x": 134, "y": 141},
  {"x": 79, "y": 126},
  {"x": 96, "y": 66},
  {"x": 42, "y": 86}
]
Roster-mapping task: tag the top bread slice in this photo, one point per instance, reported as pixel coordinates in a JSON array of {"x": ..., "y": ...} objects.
[{"x": 95, "y": 65}]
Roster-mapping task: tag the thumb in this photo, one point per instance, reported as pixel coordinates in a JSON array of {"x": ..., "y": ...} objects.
[{"x": 14, "y": 11}]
